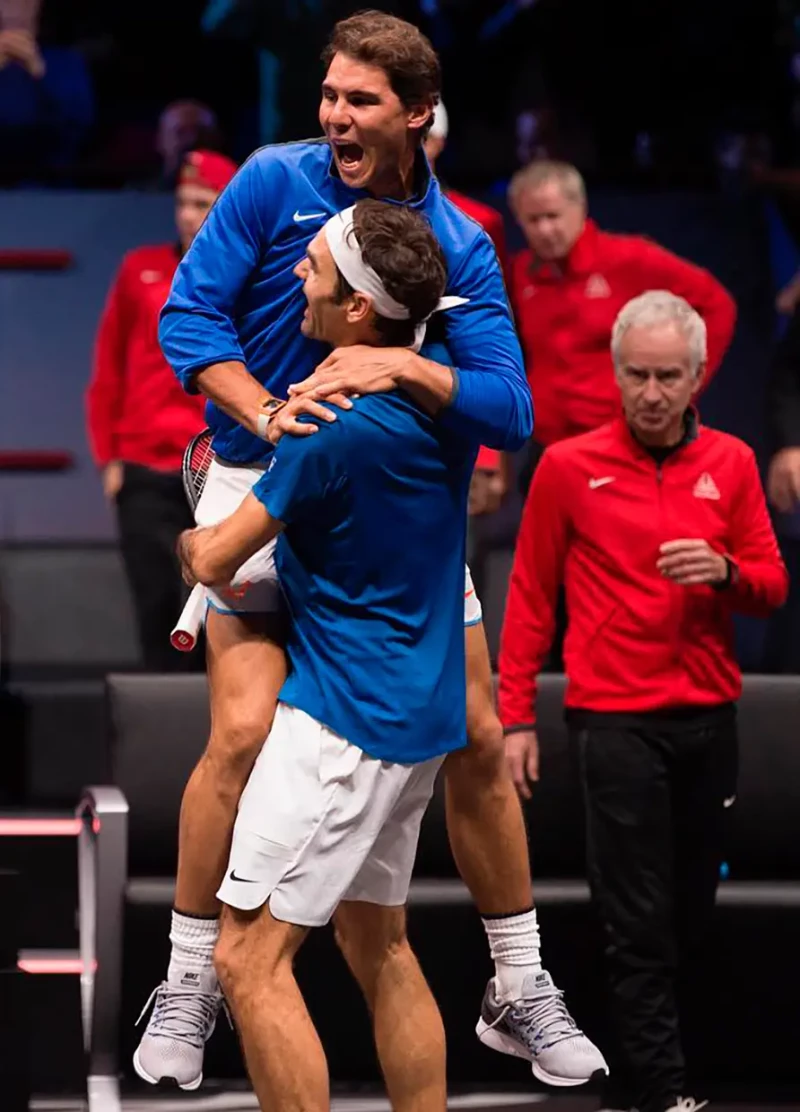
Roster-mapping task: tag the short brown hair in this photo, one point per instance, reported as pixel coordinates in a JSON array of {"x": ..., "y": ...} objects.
[
  {"x": 399, "y": 244},
  {"x": 400, "y": 49}
]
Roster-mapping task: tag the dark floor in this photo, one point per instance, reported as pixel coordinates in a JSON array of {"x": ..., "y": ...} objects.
[{"x": 472, "y": 1102}]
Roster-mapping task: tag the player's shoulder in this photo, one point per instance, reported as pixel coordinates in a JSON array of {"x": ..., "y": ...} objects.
[
  {"x": 486, "y": 216},
  {"x": 575, "y": 449},
  {"x": 455, "y": 229},
  {"x": 306, "y": 157},
  {"x": 724, "y": 447}
]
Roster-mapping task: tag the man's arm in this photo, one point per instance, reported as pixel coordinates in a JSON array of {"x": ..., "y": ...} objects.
[
  {"x": 783, "y": 389},
  {"x": 759, "y": 581},
  {"x": 197, "y": 331},
  {"x": 214, "y": 554},
  {"x": 536, "y": 576},
  {"x": 661, "y": 269},
  {"x": 104, "y": 395},
  {"x": 484, "y": 396}
]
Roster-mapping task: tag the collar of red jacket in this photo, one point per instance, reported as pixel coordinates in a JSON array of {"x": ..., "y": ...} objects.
[
  {"x": 582, "y": 259},
  {"x": 691, "y": 432}
]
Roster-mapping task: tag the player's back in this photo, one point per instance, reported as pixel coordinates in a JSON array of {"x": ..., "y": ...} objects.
[{"x": 373, "y": 573}]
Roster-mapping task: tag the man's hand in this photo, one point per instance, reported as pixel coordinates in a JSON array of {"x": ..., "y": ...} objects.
[
  {"x": 185, "y": 551},
  {"x": 789, "y": 296},
  {"x": 783, "y": 480},
  {"x": 20, "y": 46},
  {"x": 522, "y": 755},
  {"x": 286, "y": 419},
  {"x": 487, "y": 489},
  {"x": 690, "y": 563},
  {"x": 356, "y": 370},
  {"x": 113, "y": 477}
]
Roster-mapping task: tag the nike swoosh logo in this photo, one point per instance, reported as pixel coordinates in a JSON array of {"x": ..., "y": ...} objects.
[
  {"x": 595, "y": 483},
  {"x": 299, "y": 217},
  {"x": 241, "y": 879}
]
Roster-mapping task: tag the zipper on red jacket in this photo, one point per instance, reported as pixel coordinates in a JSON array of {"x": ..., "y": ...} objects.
[{"x": 674, "y": 638}]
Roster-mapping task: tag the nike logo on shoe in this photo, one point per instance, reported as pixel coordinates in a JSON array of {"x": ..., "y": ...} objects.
[
  {"x": 241, "y": 879},
  {"x": 595, "y": 483},
  {"x": 299, "y": 217}
]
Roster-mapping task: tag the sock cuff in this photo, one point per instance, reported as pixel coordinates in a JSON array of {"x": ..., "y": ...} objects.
[{"x": 509, "y": 915}]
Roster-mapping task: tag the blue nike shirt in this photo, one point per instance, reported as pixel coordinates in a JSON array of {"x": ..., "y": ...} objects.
[
  {"x": 235, "y": 297},
  {"x": 372, "y": 567}
]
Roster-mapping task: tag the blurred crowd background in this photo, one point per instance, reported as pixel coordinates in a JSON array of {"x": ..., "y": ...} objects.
[{"x": 683, "y": 119}]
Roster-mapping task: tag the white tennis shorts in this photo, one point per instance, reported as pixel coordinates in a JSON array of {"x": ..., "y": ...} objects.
[
  {"x": 255, "y": 589},
  {"x": 320, "y": 821}
]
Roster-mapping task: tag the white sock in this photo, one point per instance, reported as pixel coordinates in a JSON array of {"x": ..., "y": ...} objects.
[
  {"x": 514, "y": 946},
  {"x": 191, "y": 963}
]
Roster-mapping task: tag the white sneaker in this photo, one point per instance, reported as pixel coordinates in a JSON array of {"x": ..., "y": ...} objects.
[
  {"x": 688, "y": 1104},
  {"x": 172, "y": 1046},
  {"x": 538, "y": 1027}
]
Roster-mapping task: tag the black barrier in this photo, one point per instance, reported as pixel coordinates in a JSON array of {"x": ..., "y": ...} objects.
[{"x": 14, "y": 1080}]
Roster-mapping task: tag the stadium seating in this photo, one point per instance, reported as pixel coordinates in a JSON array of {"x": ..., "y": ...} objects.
[{"x": 158, "y": 727}]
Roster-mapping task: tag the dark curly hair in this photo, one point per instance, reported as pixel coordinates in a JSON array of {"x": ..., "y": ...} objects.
[
  {"x": 400, "y": 49},
  {"x": 399, "y": 244}
]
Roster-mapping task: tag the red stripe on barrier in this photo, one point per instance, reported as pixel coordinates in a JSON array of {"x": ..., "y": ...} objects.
[
  {"x": 40, "y": 828},
  {"x": 25, "y": 258}
]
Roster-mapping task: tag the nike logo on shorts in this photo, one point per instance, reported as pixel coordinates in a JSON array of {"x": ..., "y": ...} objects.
[
  {"x": 241, "y": 879},
  {"x": 595, "y": 483},
  {"x": 299, "y": 217}
]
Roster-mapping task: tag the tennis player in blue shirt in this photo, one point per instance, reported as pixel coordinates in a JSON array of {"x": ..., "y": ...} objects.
[
  {"x": 371, "y": 513},
  {"x": 231, "y": 329}
]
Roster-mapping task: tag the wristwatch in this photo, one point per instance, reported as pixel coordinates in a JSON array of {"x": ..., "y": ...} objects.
[{"x": 268, "y": 410}]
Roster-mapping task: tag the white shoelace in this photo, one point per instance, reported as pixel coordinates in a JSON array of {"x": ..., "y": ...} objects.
[
  {"x": 183, "y": 1014},
  {"x": 547, "y": 1017}
]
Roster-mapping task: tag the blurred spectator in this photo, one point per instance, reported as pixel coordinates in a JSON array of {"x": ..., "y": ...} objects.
[
  {"x": 567, "y": 289},
  {"x": 184, "y": 125},
  {"x": 140, "y": 419},
  {"x": 658, "y": 528},
  {"x": 46, "y": 98},
  {"x": 491, "y": 479},
  {"x": 782, "y": 649},
  {"x": 488, "y": 218}
]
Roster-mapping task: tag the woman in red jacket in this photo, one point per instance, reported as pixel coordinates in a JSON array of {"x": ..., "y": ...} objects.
[
  {"x": 658, "y": 528},
  {"x": 140, "y": 419}
]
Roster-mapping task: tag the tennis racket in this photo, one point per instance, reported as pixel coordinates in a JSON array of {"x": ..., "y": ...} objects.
[{"x": 197, "y": 459}]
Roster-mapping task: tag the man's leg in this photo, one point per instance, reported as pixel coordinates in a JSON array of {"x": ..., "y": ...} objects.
[
  {"x": 284, "y": 1056},
  {"x": 703, "y": 800},
  {"x": 151, "y": 511},
  {"x": 490, "y": 846},
  {"x": 246, "y": 668},
  {"x": 625, "y": 775},
  {"x": 409, "y": 1035}
]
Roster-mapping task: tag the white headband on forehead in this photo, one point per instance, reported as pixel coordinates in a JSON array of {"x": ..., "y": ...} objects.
[{"x": 341, "y": 237}]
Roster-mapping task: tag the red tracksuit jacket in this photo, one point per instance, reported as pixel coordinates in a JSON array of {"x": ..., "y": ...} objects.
[
  {"x": 565, "y": 315},
  {"x": 137, "y": 411},
  {"x": 597, "y": 512}
]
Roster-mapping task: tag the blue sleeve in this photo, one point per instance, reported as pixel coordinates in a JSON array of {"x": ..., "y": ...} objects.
[
  {"x": 196, "y": 327},
  {"x": 492, "y": 403},
  {"x": 304, "y": 472}
]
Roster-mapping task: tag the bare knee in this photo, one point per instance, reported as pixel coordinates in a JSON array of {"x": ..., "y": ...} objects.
[
  {"x": 483, "y": 758},
  {"x": 370, "y": 937}
]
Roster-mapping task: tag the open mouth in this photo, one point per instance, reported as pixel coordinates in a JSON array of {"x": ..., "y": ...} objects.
[{"x": 349, "y": 156}]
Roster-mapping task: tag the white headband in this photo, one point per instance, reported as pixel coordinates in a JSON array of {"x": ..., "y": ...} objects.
[{"x": 343, "y": 245}]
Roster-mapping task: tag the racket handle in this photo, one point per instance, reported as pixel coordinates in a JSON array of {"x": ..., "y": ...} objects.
[{"x": 184, "y": 635}]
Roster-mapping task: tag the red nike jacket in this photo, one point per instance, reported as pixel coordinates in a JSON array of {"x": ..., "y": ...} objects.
[
  {"x": 136, "y": 409},
  {"x": 565, "y": 314},
  {"x": 598, "y": 510}
]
